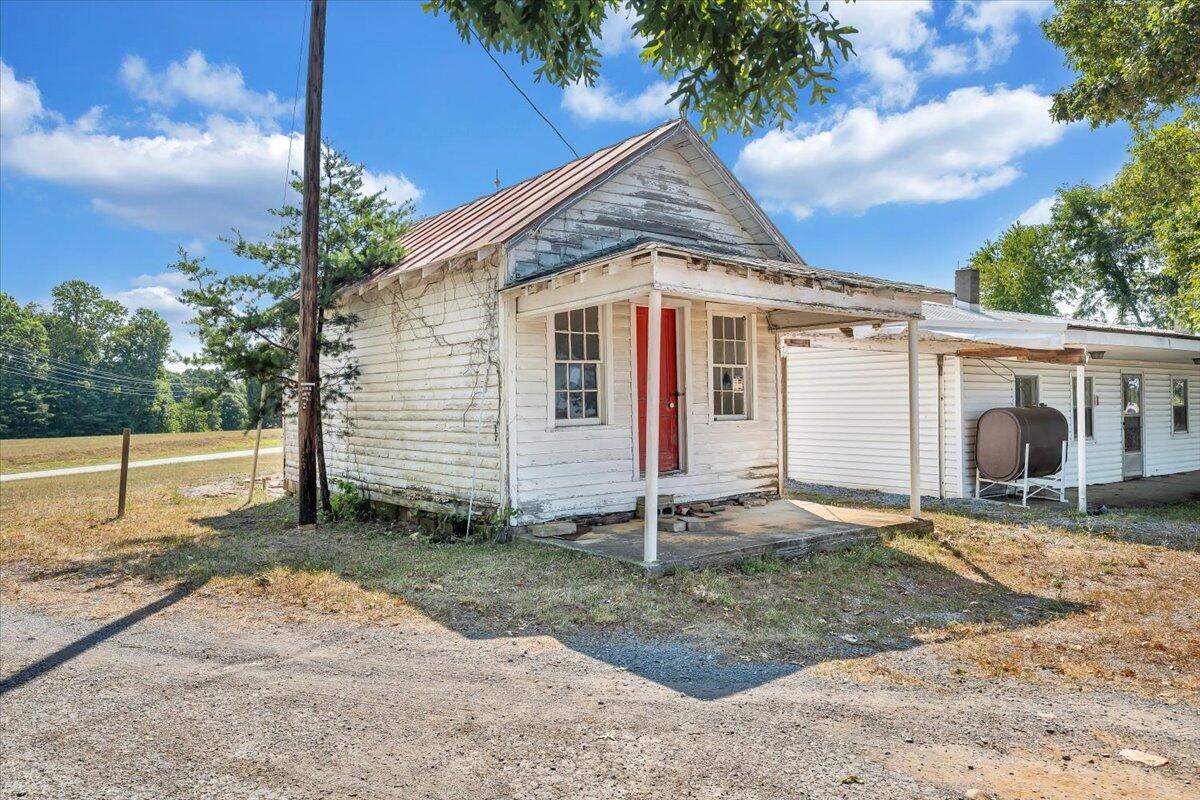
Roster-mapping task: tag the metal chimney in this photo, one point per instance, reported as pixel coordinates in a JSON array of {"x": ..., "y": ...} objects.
[{"x": 966, "y": 288}]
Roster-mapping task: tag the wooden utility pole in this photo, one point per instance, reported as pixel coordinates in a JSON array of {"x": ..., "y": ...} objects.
[
  {"x": 124, "y": 473},
  {"x": 310, "y": 357}
]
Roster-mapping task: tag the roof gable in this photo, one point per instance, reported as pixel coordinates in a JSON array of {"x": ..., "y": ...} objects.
[{"x": 512, "y": 213}]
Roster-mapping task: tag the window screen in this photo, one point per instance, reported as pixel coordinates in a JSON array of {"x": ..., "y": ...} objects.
[
  {"x": 577, "y": 364},
  {"x": 1179, "y": 405},
  {"x": 1026, "y": 391},
  {"x": 730, "y": 363}
]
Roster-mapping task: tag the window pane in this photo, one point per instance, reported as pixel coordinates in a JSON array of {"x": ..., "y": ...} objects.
[
  {"x": 577, "y": 320},
  {"x": 575, "y": 400},
  {"x": 739, "y": 403},
  {"x": 1177, "y": 393},
  {"x": 560, "y": 405},
  {"x": 591, "y": 404},
  {"x": 560, "y": 376},
  {"x": 727, "y": 379},
  {"x": 562, "y": 346},
  {"x": 718, "y": 352},
  {"x": 741, "y": 353},
  {"x": 591, "y": 317},
  {"x": 592, "y": 340},
  {"x": 740, "y": 328},
  {"x": 560, "y": 321},
  {"x": 577, "y": 346},
  {"x": 574, "y": 376},
  {"x": 589, "y": 376}
]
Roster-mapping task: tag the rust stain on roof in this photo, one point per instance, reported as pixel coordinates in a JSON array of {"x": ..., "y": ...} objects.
[{"x": 497, "y": 218}]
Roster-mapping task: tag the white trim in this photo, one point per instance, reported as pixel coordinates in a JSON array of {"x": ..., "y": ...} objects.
[
  {"x": 1037, "y": 386},
  {"x": 751, "y": 403},
  {"x": 604, "y": 379}
]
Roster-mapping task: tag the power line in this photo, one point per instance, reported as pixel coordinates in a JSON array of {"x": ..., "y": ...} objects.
[
  {"x": 53, "y": 361},
  {"x": 532, "y": 105},
  {"x": 287, "y": 173}
]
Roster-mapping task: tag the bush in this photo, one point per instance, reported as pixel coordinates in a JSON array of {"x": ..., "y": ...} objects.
[{"x": 348, "y": 503}]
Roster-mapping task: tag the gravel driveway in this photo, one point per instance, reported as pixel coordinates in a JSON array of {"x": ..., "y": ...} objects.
[{"x": 205, "y": 699}]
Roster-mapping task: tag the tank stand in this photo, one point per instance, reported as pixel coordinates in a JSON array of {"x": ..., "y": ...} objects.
[{"x": 1047, "y": 486}]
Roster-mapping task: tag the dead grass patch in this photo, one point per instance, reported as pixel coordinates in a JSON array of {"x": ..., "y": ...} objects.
[{"x": 27, "y": 455}]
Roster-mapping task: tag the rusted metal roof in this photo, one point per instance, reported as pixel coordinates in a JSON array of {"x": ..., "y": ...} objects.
[{"x": 496, "y": 218}]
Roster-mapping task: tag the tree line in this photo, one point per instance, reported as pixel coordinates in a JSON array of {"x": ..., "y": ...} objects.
[
  {"x": 1129, "y": 248},
  {"x": 87, "y": 365}
]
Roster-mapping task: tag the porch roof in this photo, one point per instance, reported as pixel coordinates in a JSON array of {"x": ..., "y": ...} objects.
[{"x": 797, "y": 296}]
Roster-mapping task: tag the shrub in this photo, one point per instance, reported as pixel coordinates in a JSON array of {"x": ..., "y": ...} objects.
[{"x": 348, "y": 503}]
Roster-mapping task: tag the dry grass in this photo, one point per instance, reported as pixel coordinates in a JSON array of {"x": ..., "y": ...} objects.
[
  {"x": 27, "y": 455},
  {"x": 1014, "y": 598}
]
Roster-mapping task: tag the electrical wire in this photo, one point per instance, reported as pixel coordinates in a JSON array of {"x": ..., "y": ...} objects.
[
  {"x": 521, "y": 91},
  {"x": 82, "y": 370},
  {"x": 287, "y": 172}
]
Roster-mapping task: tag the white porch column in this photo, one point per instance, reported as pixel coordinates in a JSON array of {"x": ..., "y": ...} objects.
[
  {"x": 1081, "y": 437},
  {"x": 914, "y": 423},
  {"x": 653, "y": 404}
]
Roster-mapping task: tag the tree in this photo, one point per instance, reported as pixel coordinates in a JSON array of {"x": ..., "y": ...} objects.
[
  {"x": 1016, "y": 272},
  {"x": 1158, "y": 194},
  {"x": 24, "y": 344},
  {"x": 1135, "y": 59},
  {"x": 737, "y": 64},
  {"x": 233, "y": 409},
  {"x": 138, "y": 349},
  {"x": 247, "y": 322}
]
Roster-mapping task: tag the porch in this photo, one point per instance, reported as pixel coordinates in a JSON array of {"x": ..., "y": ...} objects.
[
  {"x": 657, "y": 369},
  {"x": 781, "y": 528}
]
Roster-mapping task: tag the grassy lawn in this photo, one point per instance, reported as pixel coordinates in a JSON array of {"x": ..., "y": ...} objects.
[
  {"x": 27, "y": 455},
  {"x": 1035, "y": 596}
]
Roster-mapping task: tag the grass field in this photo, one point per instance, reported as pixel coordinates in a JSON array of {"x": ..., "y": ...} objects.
[
  {"x": 1020, "y": 598},
  {"x": 27, "y": 455}
]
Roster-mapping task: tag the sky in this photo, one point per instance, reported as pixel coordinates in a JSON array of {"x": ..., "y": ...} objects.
[{"x": 128, "y": 130}]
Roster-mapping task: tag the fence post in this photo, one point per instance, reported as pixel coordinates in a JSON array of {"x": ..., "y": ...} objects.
[
  {"x": 124, "y": 472},
  {"x": 262, "y": 409}
]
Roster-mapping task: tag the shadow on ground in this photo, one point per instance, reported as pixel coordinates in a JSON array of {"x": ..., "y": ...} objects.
[{"x": 709, "y": 634}]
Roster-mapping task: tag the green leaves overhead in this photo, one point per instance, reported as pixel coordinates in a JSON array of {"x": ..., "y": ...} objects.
[
  {"x": 738, "y": 64},
  {"x": 1135, "y": 58}
]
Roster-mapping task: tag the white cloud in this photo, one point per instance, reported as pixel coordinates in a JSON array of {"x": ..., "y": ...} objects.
[
  {"x": 217, "y": 87},
  {"x": 164, "y": 299},
  {"x": 1039, "y": 212},
  {"x": 963, "y": 146},
  {"x": 20, "y": 103},
  {"x": 616, "y": 33},
  {"x": 602, "y": 102},
  {"x": 199, "y": 179},
  {"x": 396, "y": 188},
  {"x": 994, "y": 23},
  {"x": 172, "y": 279}
]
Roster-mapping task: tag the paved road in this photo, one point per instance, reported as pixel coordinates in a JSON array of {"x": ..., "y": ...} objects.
[
  {"x": 198, "y": 697},
  {"x": 151, "y": 462}
]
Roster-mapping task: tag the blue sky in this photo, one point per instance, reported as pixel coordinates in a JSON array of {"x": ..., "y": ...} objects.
[{"x": 132, "y": 128}]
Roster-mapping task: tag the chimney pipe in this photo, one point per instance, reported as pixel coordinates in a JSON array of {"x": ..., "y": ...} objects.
[{"x": 966, "y": 288}]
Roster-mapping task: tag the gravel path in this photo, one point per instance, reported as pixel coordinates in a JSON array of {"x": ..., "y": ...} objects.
[
  {"x": 204, "y": 699},
  {"x": 149, "y": 462}
]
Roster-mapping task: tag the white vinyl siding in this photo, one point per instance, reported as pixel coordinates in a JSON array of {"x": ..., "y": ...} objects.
[
  {"x": 848, "y": 419},
  {"x": 591, "y": 469},
  {"x": 421, "y": 428}
]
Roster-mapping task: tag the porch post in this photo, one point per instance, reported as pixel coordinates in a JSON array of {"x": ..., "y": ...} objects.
[
  {"x": 653, "y": 403},
  {"x": 1081, "y": 437},
  {"x": 914, "y": 424}
]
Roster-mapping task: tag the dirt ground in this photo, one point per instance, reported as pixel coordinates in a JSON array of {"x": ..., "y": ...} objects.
[
  {"x": 200, "y": 649},
  {"x": 207, "y": 698}
]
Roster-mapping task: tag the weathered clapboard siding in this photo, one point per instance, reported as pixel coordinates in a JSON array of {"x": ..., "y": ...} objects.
[
  {"x": 990, "y": 384},
  {"x": 591, "y": 469},
  {"x": 848, "y": 420},
  {"x": 421, "y": 426},
  {"x": 661, "y": 195}
]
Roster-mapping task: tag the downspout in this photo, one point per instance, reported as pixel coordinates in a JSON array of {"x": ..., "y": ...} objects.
[{"x": 941, "y": 424}]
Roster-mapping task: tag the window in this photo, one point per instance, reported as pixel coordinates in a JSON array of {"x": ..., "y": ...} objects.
[
  {"x": 1089, "y": 402},
  {"x": 730, "y": 367},
  {"x": 1179, "y": 405},
  {"x": 577, "y": 366},
  {"x": 1025, "y": 391}
]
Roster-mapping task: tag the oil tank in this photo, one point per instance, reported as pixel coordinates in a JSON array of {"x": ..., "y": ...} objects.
[{"x": 1001, "y": 437}]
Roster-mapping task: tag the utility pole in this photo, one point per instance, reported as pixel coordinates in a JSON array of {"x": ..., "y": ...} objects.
[{"x": 310, "y": 357}]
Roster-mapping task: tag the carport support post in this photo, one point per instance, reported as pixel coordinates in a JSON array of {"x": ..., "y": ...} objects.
[
  {"x": 914, "y": 424},
  {"x": 1081, "y": 437},
  {"x": 653, "y": 402}
]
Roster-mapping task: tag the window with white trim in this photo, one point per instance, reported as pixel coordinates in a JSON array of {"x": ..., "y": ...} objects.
[
  {"x": 1025, "y": 391},
  {"x": 1089, "y": 394},
  {"x": 577, "y": 366},
  {"x": 1179, "y": 405},
  {"x": 730, "y": 367}
]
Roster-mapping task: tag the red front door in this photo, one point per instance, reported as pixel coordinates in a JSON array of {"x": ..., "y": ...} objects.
[{"x": 668, "y": 407}]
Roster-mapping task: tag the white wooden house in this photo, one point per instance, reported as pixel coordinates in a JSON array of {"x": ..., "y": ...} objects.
[
  {"x": 511, "y": 358},
  {"x": 846, "y": 394}
]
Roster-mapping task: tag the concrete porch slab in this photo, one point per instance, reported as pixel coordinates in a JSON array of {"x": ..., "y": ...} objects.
[{"x": 781, "y": 528}]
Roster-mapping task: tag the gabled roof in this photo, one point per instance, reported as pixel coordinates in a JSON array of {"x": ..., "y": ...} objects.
[{"x": 500, "y": 218}]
